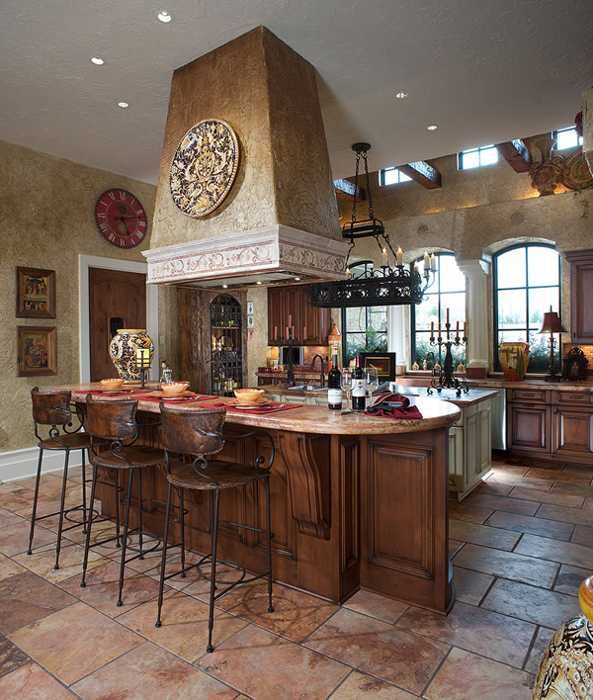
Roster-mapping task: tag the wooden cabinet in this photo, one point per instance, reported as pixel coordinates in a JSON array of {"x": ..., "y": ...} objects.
[
  {"x": 311, "y": 324},
  {"x": 528, "y": 428},
  {"x": 572, "y": 432},
  {"x": 581, "y": 294}
]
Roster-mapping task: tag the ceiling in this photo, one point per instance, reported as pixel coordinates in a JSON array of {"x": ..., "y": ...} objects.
[{"x": 484, "y": 71}]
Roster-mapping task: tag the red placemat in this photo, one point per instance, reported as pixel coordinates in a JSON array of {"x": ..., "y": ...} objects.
[
  {"x": 149, "y": 396},
  {"x": 405, "y": 411},
  {"x": 268, "y": 408}
]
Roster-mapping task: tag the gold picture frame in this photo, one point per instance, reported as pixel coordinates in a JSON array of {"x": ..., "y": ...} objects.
[
  {"x": 37, "y": 352},
  {"x": 35, "y": 293}
]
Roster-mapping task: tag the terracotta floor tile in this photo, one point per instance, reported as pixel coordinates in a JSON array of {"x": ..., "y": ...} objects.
[
  {"x": 359, "y": 685},
  {"x": 538, "y": 649},
  {"x": 555, "y": 498},
  {"x": 454, "y": 546},
  {"x": 511, "y": 469},
  {"x": 571, "y": 488},
  {"x": 11, "y": 657},
  {"x": 464, "y": 676},
  {"x": 511, "y": 479},
  {"x": 7, "y": 516},
  {"x": 583, "y": 534},
  {"x": 580, "y": 470},
  {"x": 52, "y": 503},
  {"x": 495, "y": 487},
  {"x": 563, "y": 552},
  {"x": 566, "y": 515},
  {"x": 99, "y": 532},
  {"x": 42, "y": 561},
  {"x": 57, "y": 641},
  {"x": 194, "y": 581},
  {"x": 25, "y": 598},
  {"x": 374, "y": 647},
  {"x": 530, "y": 603},
  {"x": 151, "y": 672},
  {"x": 531, "y": 525},
  {"x": 507, "y": 564},
  {"x": 554, "y": 474},
  {"x": 488, "y": 633},
  {"x": 482, "y": 534},
  {"x": 9, "y": 567},
  {"x": 267, "y": 667},
  {"x": 470, "y": 586},
  {"x": 14, "y": 537},
  {"x": 588, "y": 504},
  {"x": 102, "y": 586},
  {"x": 184, "y": 629},
  {"x": 510, "y": 505},
  {"x": 375, "y": 605},
  {"x": 570, "y": 578},
  {"x": 471, "y": 513},
  {"x": 31, "y": 682},
  {"x": 15, "y": 499},
  {"x": 296, "y": 614}
]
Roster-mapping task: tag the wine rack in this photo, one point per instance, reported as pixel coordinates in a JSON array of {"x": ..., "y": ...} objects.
[{"x": 226, "y": 344}]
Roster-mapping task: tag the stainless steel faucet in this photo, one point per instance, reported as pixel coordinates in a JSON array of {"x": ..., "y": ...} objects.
[{"x": 322, "y": 371}]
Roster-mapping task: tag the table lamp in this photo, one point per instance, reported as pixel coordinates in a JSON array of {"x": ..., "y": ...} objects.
[
  {"x": 143, "y": 362},
  {"x": 552, "y": 324}
]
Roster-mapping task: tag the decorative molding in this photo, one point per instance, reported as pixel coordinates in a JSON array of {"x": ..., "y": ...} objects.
[
  {"x": 275, "y": 248},
  {"x": 152, "y": 307},
  {"x": 20, "y": 464}
]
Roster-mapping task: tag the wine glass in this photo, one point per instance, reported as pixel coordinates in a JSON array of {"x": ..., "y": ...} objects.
[
  {"x": 347, "y": 383},
  {"x": 372, "y": 380}
]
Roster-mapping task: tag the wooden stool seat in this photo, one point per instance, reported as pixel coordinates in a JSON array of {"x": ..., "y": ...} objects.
[
  {"x": 132, "y": 456},
  {"x": 218, "y": 475},
  {"x": 72, "y": 441}
]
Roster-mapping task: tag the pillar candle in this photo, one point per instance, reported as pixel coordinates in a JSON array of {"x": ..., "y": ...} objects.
[{"x": 399, "y": 256}]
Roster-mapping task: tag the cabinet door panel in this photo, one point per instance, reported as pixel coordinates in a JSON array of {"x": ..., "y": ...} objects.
[
  {"x": 529, "y": 428},
  {"x": 572, "y": 432},
  {"x": 581, "y": 290}
]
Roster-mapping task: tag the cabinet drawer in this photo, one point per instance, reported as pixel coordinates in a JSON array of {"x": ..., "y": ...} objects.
[
  {"x": 537, "y": 395},
  {"x": 581, "y": 398}
]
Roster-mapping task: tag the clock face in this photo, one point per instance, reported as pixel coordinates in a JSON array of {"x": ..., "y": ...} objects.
[{"x": 121, "y": 218}]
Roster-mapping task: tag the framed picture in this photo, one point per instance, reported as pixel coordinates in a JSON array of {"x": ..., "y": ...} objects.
[
  {"x": 37, "y": 351},
  {"x": 383, "y": 362},
  {"x": 35, "y": 293}
]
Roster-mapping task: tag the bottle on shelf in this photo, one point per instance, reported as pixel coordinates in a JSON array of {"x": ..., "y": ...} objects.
[
  {"x": 334, "y": 385},
  {"x": 359, "y": 389}
]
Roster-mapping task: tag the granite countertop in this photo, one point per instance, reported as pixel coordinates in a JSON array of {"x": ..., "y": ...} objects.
[
  {"x": 316, "y": 419},
  {"x": 502, "y": 383}
]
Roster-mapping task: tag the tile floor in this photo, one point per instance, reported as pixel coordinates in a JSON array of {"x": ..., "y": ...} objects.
[{"x": 521, "y": 544}]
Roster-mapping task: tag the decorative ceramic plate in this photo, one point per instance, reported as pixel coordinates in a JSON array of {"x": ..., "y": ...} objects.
[
  {"x": 204, "y": 167},
  {"x": 576, "y": 174}
]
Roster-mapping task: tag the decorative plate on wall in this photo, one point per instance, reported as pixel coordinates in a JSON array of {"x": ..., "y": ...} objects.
[{"x": 204, "y": 167}]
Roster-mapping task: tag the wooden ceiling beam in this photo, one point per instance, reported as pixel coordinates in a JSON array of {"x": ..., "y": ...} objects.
[
  {"x": 423, "y": 173},
  {"x": 516, "y": 154},
  {"x": 345, "y": 190}
]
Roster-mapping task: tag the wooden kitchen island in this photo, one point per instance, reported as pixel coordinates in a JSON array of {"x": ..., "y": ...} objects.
[{"x": 357, "y": 501}]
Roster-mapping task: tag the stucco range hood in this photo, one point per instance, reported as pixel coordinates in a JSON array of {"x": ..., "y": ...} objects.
[
  {"x": 279, "y": 220},
  {"x": 279, "y": 253}
]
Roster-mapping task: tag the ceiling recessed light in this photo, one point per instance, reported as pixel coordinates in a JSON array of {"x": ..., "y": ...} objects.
[
  {"x": 258, "y": 281},
  {"x": 123, "y": 105},
  {"x": 97, "y": 61},
  {"x": 225, "y": 286},
  {"x": 432, "y": 127},
  {"x": 164, "y": 16},
  {"x": 297, "y": 279},
  {"x": 401, "y": 95}
]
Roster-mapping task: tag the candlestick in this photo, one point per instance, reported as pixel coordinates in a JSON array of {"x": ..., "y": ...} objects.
[
  {"x": 426, "y": 261},
  {"x": 447, "y": 315},
  {"x": 432, "y": 328},
  {"x": 399, "y": 256},
  {"x": 465, "y": 329},
  {"x": 457, "y": 328},
  {"x": 433, "y": 263}
]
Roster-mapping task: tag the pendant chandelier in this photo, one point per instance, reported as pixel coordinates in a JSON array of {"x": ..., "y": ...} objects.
[{"x": 383, "y": 285}]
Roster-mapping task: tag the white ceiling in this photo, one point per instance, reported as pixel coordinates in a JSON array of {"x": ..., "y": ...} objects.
[{"x": 484, "y": 70}]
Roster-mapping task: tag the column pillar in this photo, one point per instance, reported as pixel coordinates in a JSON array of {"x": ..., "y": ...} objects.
[{"x": 477, "y": 313}]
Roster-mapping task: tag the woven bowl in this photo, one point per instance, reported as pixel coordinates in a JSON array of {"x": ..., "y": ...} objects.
[{"x": 174, "y": 389}]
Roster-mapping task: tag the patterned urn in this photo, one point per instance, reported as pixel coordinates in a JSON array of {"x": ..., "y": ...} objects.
[
  {"x": 122, "y": 350},
  {"x": 566, "y": 670},
  {"x": 514, "y": 358}
]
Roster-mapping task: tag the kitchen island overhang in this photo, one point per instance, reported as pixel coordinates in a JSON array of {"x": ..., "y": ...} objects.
[{"x": 357, "y": 501}]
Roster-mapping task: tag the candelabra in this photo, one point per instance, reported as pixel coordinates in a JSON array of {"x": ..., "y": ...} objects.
[{"x": 443, "y": 376}]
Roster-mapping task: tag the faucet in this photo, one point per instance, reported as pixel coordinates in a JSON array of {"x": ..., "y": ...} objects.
[{"x": 322, "y": 371}]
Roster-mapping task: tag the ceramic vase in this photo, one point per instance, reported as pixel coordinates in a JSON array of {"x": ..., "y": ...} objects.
[
  {"x": 514, "y": 358},
  {"x": 122, "y": 350}
]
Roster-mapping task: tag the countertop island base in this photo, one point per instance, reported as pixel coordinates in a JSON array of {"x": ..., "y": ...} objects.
[{"x": 348, "y": 511}]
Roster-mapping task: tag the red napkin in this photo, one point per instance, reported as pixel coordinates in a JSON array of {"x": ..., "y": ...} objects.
[{"x": 406, "y": 411}]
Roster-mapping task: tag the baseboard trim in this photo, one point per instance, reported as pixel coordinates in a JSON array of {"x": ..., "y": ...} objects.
[{"x": 20, "y": 464}]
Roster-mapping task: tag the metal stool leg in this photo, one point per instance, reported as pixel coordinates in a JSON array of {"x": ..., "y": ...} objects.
[
  {"x": 214, "y": 542},
  {"x": 34, "y": 511},
  {"x": 269, "y": 542},
  {"x": 84, "y": 510},
  {"x": 140, "y": 516},
  {"x": 182, "y": 509},
  {"x": 61, "y": 518},
  {"x": 164, "y": 557},
  {"x": 87, "y": 543},
  {"x": 117, "y": 513},
  {"x": 124, "y": 545}
]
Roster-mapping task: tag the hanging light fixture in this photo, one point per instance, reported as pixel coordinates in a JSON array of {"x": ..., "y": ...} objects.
[{"x": 383, "y": 285}]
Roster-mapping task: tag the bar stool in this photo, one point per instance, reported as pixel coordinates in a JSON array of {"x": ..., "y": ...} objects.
[
  {"x": 113, "y": 429},
  {"x": 53, "y": 409},
  {"x": 196, "y": 434}
]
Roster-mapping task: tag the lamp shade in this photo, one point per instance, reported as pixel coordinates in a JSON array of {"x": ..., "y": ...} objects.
[
  {"x": 552, "y": 323},
  {"x": 334, "y": 337}
]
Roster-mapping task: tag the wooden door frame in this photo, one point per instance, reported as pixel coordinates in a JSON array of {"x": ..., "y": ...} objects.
[{"x": 85, "y": 262}]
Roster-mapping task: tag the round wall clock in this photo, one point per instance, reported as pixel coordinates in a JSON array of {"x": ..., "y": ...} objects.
[
  {"x": 121, "y": 218},
  {"x": 204, "y": 167}
]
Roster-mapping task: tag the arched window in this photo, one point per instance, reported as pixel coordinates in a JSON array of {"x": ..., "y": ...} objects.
[
  {"x": 526, "y": 284},
  {"x": 447, "y": 292}
]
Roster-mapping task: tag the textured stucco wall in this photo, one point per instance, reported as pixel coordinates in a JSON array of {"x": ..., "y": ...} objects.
[{"x": 47, "y": 220}]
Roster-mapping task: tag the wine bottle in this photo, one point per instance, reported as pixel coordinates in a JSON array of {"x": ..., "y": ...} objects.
[
  {"x": 359, "y": 389},
  {"x": 334, "y": 385}
]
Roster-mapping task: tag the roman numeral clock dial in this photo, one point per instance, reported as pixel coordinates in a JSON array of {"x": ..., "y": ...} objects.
[{"x": 121, "y": 218}]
